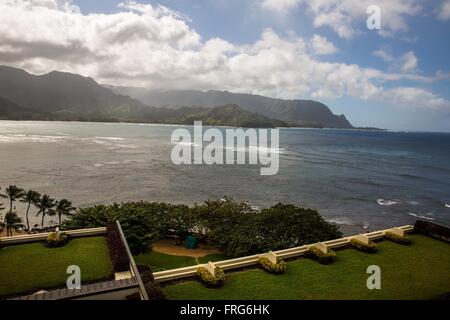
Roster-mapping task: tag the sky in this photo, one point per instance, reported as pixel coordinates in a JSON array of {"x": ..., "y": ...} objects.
[{"x": 395, "y": 77}]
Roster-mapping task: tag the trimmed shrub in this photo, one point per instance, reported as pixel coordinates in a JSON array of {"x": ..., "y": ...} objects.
[
  {"x": 397, "y": 238},
  {"x": 432, "y": 229},
  {"x": 319, "y": 256},
  {"x": 153, "y": 289},
  {"x": 271, "y": 267},
  {"x": 371, "y": 247},
  {"x": 57, "y": 239},
  {"x": 117, "y": 251},
  {"x": 212, "y": 281}
]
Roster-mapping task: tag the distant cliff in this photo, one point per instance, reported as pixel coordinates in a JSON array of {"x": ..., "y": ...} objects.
[{"x": 296, "y": 112}]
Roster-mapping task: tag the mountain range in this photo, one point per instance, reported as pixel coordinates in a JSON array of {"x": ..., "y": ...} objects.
[
  {"x": 297, "y": 112},
  {"x": 67, "y": 96}
]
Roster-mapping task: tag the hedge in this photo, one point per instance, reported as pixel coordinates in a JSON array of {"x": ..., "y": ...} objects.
[
  {"x": 432, "y": 229},
  {"x": 271, "y": 267},
  {"x": 322, "y": 258},
  {"x": 212, "y": 281},
  {"x": 117, "y": 251},
  {"x": 153, "y": 289},
  {"x": 56, "y": 240}
]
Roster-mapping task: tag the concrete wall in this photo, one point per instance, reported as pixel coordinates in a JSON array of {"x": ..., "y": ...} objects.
[
  {"x": 28, "y": 238},
  {"x": 247, "y": 261}
]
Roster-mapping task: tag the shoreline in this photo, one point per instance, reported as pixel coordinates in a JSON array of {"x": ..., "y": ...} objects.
[{"x": 216, "y": 126}]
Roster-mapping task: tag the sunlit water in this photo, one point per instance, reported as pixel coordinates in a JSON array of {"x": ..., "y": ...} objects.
[{"x": 362, "y": 180}]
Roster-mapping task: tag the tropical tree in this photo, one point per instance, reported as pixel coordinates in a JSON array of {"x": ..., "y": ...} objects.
[
  {"x": 46, "y": 206},
  {"x": 13, "y": 193},
  {"x": 63, "y": 208},
  {"x": 13, "y": 222},
  {"x": 31, "y": 198},
  {"x": 2, "y": 225}
]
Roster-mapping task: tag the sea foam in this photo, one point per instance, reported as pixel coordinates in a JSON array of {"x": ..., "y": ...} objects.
[
  {"x": 419, "y": 216},
  {"x": 383, "y": 202}
]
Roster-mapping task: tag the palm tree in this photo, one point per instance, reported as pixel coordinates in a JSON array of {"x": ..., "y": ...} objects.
[
  {"x": 2, "y": 225},
  {"x": 63, "y": 208},
  {"x": 1, "y": 208},
  {"x": 12, "y": 193},
  {"x": 45, "y": 206},
  {"x": 31, "y": 197},
  {"x": 13, "y": 222}
]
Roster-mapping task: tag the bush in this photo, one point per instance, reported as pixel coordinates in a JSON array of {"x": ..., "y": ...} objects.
[
  {"x": 322, "y": 258},
  {"x": 153, "y": 289},
  {"x": 117, "y": 251},
  {"x": 371, "y": 247},
  {"x": 237, "y": 230},
  {"x": 57, "y": 239},
  {"x": 397, "y": 238},
  {"x": 142, "y": 222},
  {"x": 211, "y": 281},
  {"x": 270, "y": 267},
  {"x": 234, "y": 228},
  {"x": 432, "y": 229}
]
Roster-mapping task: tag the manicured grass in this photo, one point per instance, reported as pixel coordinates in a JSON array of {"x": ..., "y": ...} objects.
[
  {"x": 212, "y": 257},
  {"x": 32, "y": 267},
  {"x": 419, "y": 271},
  {"x": 161, "y": 261}
]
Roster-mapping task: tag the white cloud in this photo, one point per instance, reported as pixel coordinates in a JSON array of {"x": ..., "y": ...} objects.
[
  {"x": 409, "y": 62},
  {"x": 406, "y": 63},
  {"x": 444, "y": 10},
  {"x": 384, "y": 55},
  {"x": 153, "y": 46},
  {"x": 279, "y": 6},
  {"x": 321, "y": 46},
  {"x": 416, "y": 97},
  {"x": 344, "y": 16}
]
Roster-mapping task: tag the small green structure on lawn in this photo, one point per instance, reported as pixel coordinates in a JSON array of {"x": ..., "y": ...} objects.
[{"x": 191, "y": 242}]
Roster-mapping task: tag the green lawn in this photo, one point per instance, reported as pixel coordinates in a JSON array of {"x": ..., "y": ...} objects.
[
  {"x": 419, "y": 271},
  {"x": 31, "y": 267},
  {"x": 160, "y": 261},
  {"x": 212, "y": 257}
]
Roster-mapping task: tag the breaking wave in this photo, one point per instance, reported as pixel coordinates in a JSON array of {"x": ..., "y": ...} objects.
[
  {"x": 419, "y": 216},
  {"x": 383, "y": 202}
]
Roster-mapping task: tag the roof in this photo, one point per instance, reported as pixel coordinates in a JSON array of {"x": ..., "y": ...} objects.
[{"x": 86, "y": 290}]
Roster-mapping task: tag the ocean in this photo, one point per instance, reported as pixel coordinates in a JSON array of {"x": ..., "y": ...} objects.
[{"x": 361, "y": 180}]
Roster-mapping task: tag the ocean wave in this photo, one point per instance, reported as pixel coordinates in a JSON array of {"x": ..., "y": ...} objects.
[
  {"x": 111, "y": 138},
  {"x": 447, "y": 205},
  {"x": 341, "y": 220},
  {"x": 112, "y": 144},
  {"x": 250, "y": 149},
  {"x": 413, "y": 203},
  {"x": 348, "y": 222},
  {"x": 14, "y": 138},
  {"x": 114, "y": 163},
  {"x": 186, "y": 143},
  {"x": 257, "y": 149},
  {"x": 422, "y": 217},
  {"x": 383, "y": 202},
  {"x": 266, "y": 150}
]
